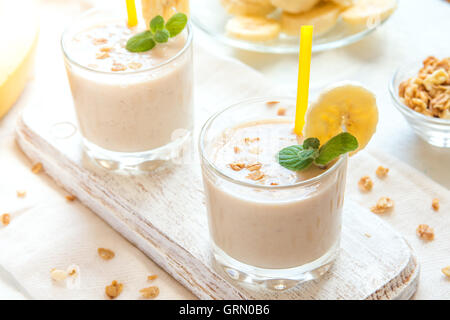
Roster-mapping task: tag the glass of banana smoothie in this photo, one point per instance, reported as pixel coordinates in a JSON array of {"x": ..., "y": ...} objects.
[
  {"x": 269, "y": 226},
  {"x": 133, "y": 108}
]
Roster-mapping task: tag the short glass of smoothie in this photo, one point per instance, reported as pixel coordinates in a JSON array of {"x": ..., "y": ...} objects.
[
  {"x": 133, "y": 108},
  {"x": 269, "y": 226}
]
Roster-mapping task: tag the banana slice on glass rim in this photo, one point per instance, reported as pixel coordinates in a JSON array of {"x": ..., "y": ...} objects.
[
  {"x": 323, "y": 17},
  {"x": 369, "y": 12},
  {"x": 248, "y": 7},
  {"x": 253, "y": 28},
  {"x": 345, "y": 106},
  {"x": 164, "y": 8}
]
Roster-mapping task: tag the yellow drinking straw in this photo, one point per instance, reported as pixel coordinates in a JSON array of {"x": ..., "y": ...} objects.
[
  {"x": 306, "y": 35},
  {"x": 132, "y": 16}
]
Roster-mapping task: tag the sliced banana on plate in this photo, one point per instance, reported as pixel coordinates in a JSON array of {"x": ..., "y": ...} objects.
[
  {"x": 248, "y": 7},
  {"x": 369, "y": 11},
  {"x": 344, "y": 106},
  {"x": 165, "y": 8},
  {"x": 295, "y": 6},
  {"x": 253, "y": 28},
  {"x": 323, "y": 17}
]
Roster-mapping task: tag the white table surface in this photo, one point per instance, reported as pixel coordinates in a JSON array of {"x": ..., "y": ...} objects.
[{"x": 417, "y": 29}]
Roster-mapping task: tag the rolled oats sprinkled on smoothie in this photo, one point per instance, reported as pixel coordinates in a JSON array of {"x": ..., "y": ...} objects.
[
  {"x": 382, "y": 172},
  {"x": 70, "y": 198},
  {"x": 6, "y": 219},
  {"x": 58, "y": 275},
  {"x": 255, "y": 175},
  {"x": 365, "y": 184},
  {"x": 21, "y": 193},
  {"x": 106, "y": 49},
  {"x": 446, "y": 271},
  {"x": 281, "y": 111},
  {"x": 135, "y": 65},
  {"x": 383, "y": 205},
  {"x": 36, "y": 168},
  {"x": 425, "y": 232},
  {"x": 99, "y": 41},
  {"x": 429, "y": 91},
  {"x": 435, "y": 204},
  {"x": 237, "y": 166},
  {"x": 150, "y": 292},
  {"x": 254, "y": 166},
  {"x": 114, "y": 289},
  {"x": 118, "y": 67},
  {"x": 251, "y": 140},
  {"x": 152, "y": 277},
  {"x": 236, "y": 149},
  {"x": 106, "y": 254}
]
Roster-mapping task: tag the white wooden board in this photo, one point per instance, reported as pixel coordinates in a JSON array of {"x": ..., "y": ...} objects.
[{"x": 163, "y": 212}]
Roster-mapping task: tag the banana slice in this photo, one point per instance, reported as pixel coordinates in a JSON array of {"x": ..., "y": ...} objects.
[
  {"x": 253, "y": 28},
  {"x": 295, "y": 6},
  {"x": 344, "y": 3},
  {"x": 323, "y": 17},
  {"x": 367, "y": 11},
  {"x": 346, "y": 106},
  {"x": 165, "y": 8},
  {"x": 248, "y": 7}
]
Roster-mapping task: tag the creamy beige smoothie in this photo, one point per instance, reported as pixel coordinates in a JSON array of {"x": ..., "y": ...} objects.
[
  {"x": 128, "y": 101},
  {"x": 282, "y": 222}
]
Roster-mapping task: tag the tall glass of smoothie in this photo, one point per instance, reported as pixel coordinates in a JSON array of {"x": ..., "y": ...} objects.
[
  {"x": 269, "y": 225},
  {"x": 133, "y": 107}
]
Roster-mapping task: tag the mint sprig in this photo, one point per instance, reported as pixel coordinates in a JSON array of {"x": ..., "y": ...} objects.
[
  {"x": 159, "y": 32},
  {"x": 301, "y": 157}
]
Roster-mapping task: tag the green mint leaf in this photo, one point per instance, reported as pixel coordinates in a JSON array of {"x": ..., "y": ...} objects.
[
  {"x": 296, "y": 158},
  {"x": 161, "y": 36},
  {"x": 311, "y": 143},
  {"x": 141, "y": 42},
  {"x": 156, "y": 24},
  {"x": 336, "y": 146},
  {"x": 176, "y": 24}
]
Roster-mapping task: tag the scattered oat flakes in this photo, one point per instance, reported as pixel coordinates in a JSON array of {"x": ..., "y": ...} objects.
[
  {"x": 384, "y": 204},
  {"x": 106, "y": 254},
  {"x": 446, "y": 271},
  {"x": 254, "y": 167},
  {"x": 6, "y": 219},
  {"x": 135, "y": 65},
  {"x": 365, "y": 184},
  {"x": 272, "y": 103},
  {"x": 99, "y": 41},
  {"x": 114, "y": 290},
  {"x": 106, "y": 49},
  {"x": 70, "y": 198},
  {"x": 58, "y": 275},
  {"x": 102, "y": 55},
  {"x": 368, "y": 235},
  {"x": 236, "y": 149},
  {"x": 435, "y": 204},
  {"x": 425, "y": 232},
  {"x": 382, "y": 172},
  {"x": 118, "y": 67},
  {"x": 150, "y": 292},
  {"x": 37, "y": 168},
  {"x": 281, "y": 111},
  {"x": 152, "y": 277},
  {"x": 255, "y": 175},
  {"x": 21, "y": 193}
]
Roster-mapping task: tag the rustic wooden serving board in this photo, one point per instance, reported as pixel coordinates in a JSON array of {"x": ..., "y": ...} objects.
[{"x": 163, "y": 212}]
